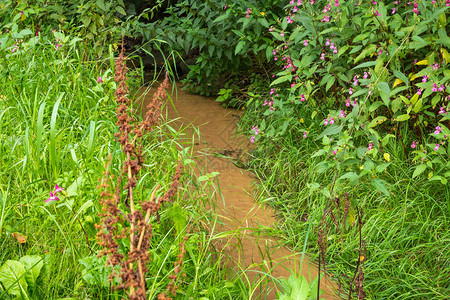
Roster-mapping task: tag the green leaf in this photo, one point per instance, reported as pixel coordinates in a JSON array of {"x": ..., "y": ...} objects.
[
  {"x": 401, "y": 76},
  {"x": 380, "y": 185},
  {"x": 12, "y": 276},
  {"x": 377, "y": 121},
  {"x": 385, "y": 92},
  {"x": 33, "y": 265},
  {"x": 282, "y": 79},
  {"x": 330, "y": 83},
  {"x": 333, "y": 129},
  {"x": 120, "y": 10},
  {"x": 419, "y": 170},
  {"x": 402, "y": 118},
  {"x": 418, "y": 105},
  {"x": 239, "y": 47},
  {"x": 365, "y": 65}
]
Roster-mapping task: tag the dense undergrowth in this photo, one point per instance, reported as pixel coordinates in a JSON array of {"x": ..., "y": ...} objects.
[
  {"x": 347, "y": 105},
  {"x": 59, "y": 144}
]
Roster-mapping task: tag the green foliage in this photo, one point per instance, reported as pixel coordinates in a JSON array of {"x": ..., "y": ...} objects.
[
  {"x": 298, "y": 288},
  {"x": 17, "y": 276}
]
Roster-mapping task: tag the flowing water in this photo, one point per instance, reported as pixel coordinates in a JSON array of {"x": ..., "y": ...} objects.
[{"x": 244, "y": 222}]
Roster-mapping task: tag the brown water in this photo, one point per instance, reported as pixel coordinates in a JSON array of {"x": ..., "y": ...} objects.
[{"x": 244, "y": 221}]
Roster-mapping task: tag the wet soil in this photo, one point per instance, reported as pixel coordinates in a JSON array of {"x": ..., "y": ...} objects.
[{"x": 245, "y": 222}]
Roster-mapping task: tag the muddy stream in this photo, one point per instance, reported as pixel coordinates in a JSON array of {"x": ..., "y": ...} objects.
[{"x": 242, "y": 220}]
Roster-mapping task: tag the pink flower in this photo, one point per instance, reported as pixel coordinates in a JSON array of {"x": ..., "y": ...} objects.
[
  {"x": 304, "y": 134},
  {"x": 441, "y": 88},
  {"x": 419, "y": 92},
  {"x": 52, "y": 197},
  {"x": 58, "y": 189},
  {"x": 341, "y": 114},
  {"x": 99, "y": 80},
  {"x": 365, "y": 75},
  {"x": 255, "y": 129},
  {"x": 302, "y": 98},
  {"x": 437, "y": 147},
  {"x": 438, "y": 130},
  {"x": 434, "y": 89},
  {"x": 376, "y": 13},
  {"x": 424, "y": 78},
  {"x": 305, "y": 43},
  {"x": 413, "y": 145},
  {"x": 370, "y": 146},
  {"x": 347, "y": 102},
  {"x": 225, "y": 7},
  {"x": 331, "y": 121},
  {"x": 252, "y": 139},
  {"x": 322, "y": 56},
  {"x": 350, "y": 91},
  {"x": 394, "y": 10},
  {"x": 442, "y": 111},
  {"x": 325, "y": 122},
  {"x": 335, "y": 151}
]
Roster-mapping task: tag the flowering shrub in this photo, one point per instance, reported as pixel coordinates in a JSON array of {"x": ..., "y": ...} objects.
[{"x": 364, "y": 73}]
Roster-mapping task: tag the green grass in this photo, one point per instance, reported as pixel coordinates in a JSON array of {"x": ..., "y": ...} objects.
[{"x": 57, "y": 125}]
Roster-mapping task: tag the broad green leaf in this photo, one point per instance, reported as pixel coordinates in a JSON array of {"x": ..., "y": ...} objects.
[
  {"x": 332, "y": 129},
  {"x": 12, "y": 276},
  {"x": 239, "y": 47},
  {"x": 419, "y": 170},
  {"x": 385, "y": 92},
  {"x": 402, "y": 118},
  {"x": 418, "y": 105},
  {"x": 365, "y": 65},
  {"x": 33, "y": 265},
  {"x": 377, "y": 121},
  {"x": 282, "y": 79},
  {"x": 330, "y": 83},
  {"x": 380, "y": 185},
  {"x": 401, "y": 76}
]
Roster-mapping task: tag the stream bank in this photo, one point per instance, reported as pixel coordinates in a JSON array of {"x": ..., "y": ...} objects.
[{"x": 243, "y": 223}]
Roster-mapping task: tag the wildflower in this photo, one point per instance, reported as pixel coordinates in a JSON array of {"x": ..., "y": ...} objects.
[
  {"x": 21, "y": 13},
  {"x": 419, "y": 92},
  {"x": 249, "y": 11},
  {"x": 331, "y": 121},
  {"x": 341, "y": 114},
  {"x": 52, "y": 197},
  {"x": 354, "y": 102},
  {"x": 376, "y": 13},
  {"x": 347, "y": 102},
  {"x": 58, "y": 45},
  {"x": 438, "y": 130},
  {"x": 365, "y": 75},
  {"x": 435, "y": 66},
  {"x": 393, "y": 10},
  {"x": 441, "y": 88},
  {"x": 355, "y": 81},
  {"x": 370, "y": 146},
  {"x": 441, "y": 111},
  {"x": 415, "y": 9},
  {"x": 252, "y": 139},
  {"x": 335, "y": 151},
  {"x": 424, "y": 78},
  {"x": 413, "y": 145},
  {"x": 58, "y": 189},
  {"x": 304, "y": 134},
  {"x": 437, "y": 147},
  {"x": 271, "y": 91},
  {"x": 327, "y": 43},
  {"x": 99, "y": 79},
  {"x": 302, "y": 98},
  {"x": 350, "y": 91},
  {"x": 325, "y": 122},
  {"x": 322, "y": 56},
  {"x": 255, "y": 129},
  {"x": 434, "y": 89},
  {"x": 305, "y": 43},
  {"x": 225, "y": 7},
  {"x": 282, "y": 33}
]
